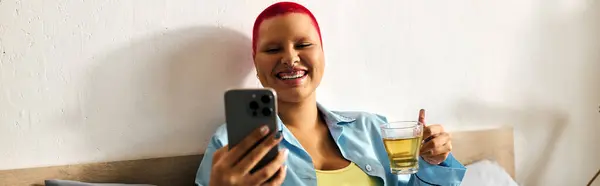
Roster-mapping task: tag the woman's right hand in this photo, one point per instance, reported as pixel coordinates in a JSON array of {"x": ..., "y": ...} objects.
[{"x": 231, "y": 167}]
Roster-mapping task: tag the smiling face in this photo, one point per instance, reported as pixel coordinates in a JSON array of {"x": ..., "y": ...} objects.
[{"x": 289, "y": 57}]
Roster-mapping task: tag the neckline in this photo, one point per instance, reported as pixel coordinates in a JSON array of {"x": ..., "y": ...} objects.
[{"x": 350, "y": 165}]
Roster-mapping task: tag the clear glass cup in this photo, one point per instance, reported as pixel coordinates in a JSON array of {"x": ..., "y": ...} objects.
[{"x": 402, "y": 140}]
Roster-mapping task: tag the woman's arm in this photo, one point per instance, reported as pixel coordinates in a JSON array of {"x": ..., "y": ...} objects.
[
  {"x": 449, "y": 172},
  {"x": 223, "y": 166},
  {"x": 203, "y": 174}
]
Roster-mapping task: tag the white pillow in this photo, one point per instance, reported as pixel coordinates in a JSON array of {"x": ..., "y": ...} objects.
[{"x": 487, "y": 173}]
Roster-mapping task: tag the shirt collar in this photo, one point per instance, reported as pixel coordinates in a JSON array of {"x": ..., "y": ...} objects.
[{"x": 331, "y": 117}]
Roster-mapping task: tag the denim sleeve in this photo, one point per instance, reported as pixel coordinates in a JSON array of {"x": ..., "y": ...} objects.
[
  {"x": 450, "y": 172},
  {"x": 203, "y": 174}
]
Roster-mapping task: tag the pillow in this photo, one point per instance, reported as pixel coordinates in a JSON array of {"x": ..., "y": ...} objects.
[
  {"x": 488, "y": 173},
  {"x": 77, "y": 183}
]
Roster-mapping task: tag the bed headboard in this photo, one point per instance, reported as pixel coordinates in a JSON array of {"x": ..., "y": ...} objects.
[
  {"x": 494, "y": 144},
  {"x": 468, "y": 147}
]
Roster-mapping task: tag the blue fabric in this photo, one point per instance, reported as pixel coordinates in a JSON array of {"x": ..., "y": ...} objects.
[{"x": 359, "y": 138}]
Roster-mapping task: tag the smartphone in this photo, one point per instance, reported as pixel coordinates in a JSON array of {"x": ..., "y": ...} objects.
[{"x": 245, "y": 111}]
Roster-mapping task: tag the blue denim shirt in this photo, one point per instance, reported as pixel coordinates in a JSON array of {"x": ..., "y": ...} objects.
[{"x": 358, "y": 136}]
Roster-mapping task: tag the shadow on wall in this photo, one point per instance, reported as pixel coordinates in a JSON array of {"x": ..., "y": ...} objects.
[
  {"x": 593, "y": 74},
  {"x": 162, "y": 95},
  {"x": 548, "y": 126},
  {"x": 593, "y": 69},
  {"x": 556, "y": 95},
  {"x": 571, "y": 30}
]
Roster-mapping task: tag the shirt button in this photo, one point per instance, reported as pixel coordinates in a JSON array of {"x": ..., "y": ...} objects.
[{"x": 369, "y": 168}]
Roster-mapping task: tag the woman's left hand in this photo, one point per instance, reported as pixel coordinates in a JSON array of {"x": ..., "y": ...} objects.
[{"x": 437, "y": 143}]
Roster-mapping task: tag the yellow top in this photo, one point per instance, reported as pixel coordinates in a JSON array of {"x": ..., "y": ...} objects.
[{"x": 347, "y": 176}]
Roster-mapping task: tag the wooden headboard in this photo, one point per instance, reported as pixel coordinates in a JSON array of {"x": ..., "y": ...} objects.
[{"x": 469, "y": 146}]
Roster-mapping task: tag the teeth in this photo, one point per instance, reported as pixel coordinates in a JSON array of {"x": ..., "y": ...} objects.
[{"x": 291, "y": 75}]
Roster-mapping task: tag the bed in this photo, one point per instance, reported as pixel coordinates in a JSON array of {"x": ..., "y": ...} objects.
[{"x": 480, "y": 149}]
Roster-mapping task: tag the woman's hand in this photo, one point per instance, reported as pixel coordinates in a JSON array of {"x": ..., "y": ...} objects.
[
  {"x": 437, "y": 143},
  {"x": 232, "y": 167}
]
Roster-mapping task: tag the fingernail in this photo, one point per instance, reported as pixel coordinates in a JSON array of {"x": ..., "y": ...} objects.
[
  {"x": 427, "y": 139},
  {"x": 264, "y": 130},
  {"x": 278, "y": 135},
  {"x": 285, "y": 152},
  {"x": 284, "y": 168}
]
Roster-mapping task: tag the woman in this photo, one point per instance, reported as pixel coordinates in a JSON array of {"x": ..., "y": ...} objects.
[{"x": 321, "y": 147}]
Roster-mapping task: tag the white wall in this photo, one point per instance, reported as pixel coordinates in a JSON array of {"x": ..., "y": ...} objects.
[{"x": 90, "y": 81}]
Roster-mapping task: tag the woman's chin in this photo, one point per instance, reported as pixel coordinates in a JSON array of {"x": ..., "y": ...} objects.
[{"x": 295, "y": 95}]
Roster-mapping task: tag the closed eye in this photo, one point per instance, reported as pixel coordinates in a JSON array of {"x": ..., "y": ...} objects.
[
  {"x": 304, "y": 45},
  {"x": 272, "y": 50}
]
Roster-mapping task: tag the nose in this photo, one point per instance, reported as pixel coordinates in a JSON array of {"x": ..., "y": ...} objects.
[{"x": 290, "y": 57}]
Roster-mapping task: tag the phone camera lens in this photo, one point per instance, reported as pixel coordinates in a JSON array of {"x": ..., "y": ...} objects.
[
  {"x": 253, "y": 105},
  {"x": 266, "y": 99},
  {"x": 267, "y": 111}
]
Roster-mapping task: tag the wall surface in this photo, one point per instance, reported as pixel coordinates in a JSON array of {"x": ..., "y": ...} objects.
[{"x": 92, "y": 81}]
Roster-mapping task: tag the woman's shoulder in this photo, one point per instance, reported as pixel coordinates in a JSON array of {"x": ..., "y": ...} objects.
[
  {"x": 362, "y": 118},
  {"x": 361, "y": 115},
  {"x": 219, "y": 137}
]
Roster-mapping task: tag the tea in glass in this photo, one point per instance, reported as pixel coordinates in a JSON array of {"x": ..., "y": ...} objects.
[{"x": 402, "y": 142}]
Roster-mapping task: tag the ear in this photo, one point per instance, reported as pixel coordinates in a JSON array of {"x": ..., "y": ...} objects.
[
  {"x": 255, "y": 66},
  {"x": 257, "y": 75}
]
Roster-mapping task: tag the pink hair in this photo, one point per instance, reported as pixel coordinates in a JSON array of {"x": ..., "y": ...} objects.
[{"x": 281, "y": 8}]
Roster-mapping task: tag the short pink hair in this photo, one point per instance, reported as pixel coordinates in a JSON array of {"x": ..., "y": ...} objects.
[{"x": 281, "y": 8}]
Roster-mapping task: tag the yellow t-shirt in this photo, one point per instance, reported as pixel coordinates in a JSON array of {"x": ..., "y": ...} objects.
[{"x": 347, "y": 176}]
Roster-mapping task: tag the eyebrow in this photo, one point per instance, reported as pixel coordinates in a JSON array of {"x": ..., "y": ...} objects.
[
  {"x": 267, "y": 44},
  {"x": 297, "y": 39}
]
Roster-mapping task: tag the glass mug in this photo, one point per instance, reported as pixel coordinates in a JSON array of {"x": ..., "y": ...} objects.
[{"x": 402, "y": 140}]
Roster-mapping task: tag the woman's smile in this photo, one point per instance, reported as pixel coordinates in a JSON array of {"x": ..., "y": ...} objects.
[{"x": 292, "y": 77}]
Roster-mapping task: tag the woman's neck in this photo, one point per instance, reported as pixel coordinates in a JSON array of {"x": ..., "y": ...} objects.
[{"x": 300, "y": 115}]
